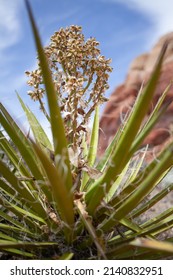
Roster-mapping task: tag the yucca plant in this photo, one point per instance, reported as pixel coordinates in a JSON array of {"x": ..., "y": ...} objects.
[{"x": 57, "y": 199}]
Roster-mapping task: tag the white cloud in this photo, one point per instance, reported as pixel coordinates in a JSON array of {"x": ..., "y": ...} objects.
[
  {"x": 158, "y": 11},
  {"x": 9, "y": 23},
  {"x": 15, "y": 82},
  {"x": 10, "y": 32}
]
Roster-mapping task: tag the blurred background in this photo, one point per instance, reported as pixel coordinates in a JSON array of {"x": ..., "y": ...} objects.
[{"x": 124, "y": 28}]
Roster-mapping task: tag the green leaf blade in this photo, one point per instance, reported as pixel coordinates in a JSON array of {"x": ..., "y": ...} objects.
[
  {"x": 61, "y": 196},
  {"x": 121, "y": 155},
  {"x": 38, "y": 131},
  {"x": 143, "y": 189},
  {"x": 57, "y": 127}
]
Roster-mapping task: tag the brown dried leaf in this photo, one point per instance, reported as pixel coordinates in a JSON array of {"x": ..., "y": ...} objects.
[{"x": 92, "y": 172}]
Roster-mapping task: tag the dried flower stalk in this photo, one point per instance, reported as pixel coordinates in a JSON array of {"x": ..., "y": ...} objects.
[{"x": 80, "y": 75}]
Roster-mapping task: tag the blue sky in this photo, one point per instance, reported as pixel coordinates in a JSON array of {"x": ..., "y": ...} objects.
[{"x": 124, "y": 28}]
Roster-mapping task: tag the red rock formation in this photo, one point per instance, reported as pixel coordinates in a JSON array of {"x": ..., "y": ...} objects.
[{"x": 123, "y": 97}]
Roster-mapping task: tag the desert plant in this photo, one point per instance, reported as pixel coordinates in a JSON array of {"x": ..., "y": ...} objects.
[{"x": 58, "y": 200}]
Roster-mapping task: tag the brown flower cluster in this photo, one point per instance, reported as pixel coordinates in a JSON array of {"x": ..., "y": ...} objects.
[{"x": 80, "y": 75}]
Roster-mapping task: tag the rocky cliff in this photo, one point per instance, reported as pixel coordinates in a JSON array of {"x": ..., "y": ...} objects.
[{"x": 123, "y": 97}]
